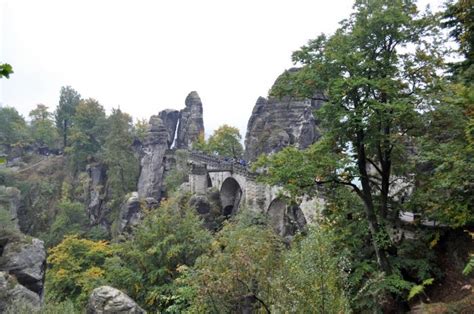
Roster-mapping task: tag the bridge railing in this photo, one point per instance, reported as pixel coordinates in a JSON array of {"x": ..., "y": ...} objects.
[{"x": 221, "y": 163}]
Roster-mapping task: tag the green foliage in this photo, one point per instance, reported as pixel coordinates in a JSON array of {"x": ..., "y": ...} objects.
[
  {"x": 236, "y": 273},
  {"x": 225, "y": 141},
  {"x": 311, "y": 278},
  {"x": 147, "y": 266},
  {"x": 68, "y": 101},
  {"x": 200, "y": 144},
  {"x": 470, "y": 264},
  {"x": 417, "y": 289},
  {"x": 76, "y": 267},
  {"x": 459, "y": 19},
  {"x": 5, "y": 70},
  {"x": 179, "y": 173},
  {"x": 140, "y": 129},
  {"x": 13, "y": 128},
  {"x": 446, "y": 176},
  {"x": 71, "y": 219},
  {"x": 42, "y": 129},
  {"x": 122, "y": 164},
  {"x": 48, "y": 307},
  {"x": 87, "y": 133}
]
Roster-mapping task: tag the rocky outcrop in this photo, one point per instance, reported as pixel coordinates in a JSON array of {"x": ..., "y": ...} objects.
[
  {"x": 191, "y": 124},
  {"x": 108, "y": 300},
  {"x": 131, "y": 212},
  {"x": 24, "y": 258},
  {"x": 22, "y": 269},
  {"x": 277, "y": 123},
  {"x": 170, "y": 119},
  {"x": 97, "y": 182},
  {"x": 154, "y": 148},
  {"x": 285, "y": 219},
  {"x": 12, "y": 295}
]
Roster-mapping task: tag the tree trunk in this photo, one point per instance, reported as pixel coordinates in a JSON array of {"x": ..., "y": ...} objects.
[{"x": 374, "y": 226}]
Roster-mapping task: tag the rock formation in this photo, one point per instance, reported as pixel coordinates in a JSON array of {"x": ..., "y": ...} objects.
[
  {"x": 276, "y": 123},
  {"x": 152, "y": 166},
  {"x": 22, "y": 269},
  {"x": 191, "y": 123},
  {"x": 131, "y": 212},
  {"x": 97, "y": 182},
  {"x": 13, "y": 294},
  {"x": 108, "y": 300},
  {"x": 170, "y": 119}
]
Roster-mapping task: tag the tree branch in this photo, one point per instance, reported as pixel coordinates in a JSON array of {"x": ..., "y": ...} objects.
[
  {"x": 254, "y": 295},
  {"x": 375, "y": 165}
]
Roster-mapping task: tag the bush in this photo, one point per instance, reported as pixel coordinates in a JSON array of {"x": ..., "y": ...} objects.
[
  {"x": 75, "y": 269},
  {"x": 235, "y": 275}
]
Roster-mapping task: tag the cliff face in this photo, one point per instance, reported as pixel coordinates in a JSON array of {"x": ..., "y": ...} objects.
[
  {"x": 170, "y": 119},
  {"x": 191, "y": 123},
  {"x": 160, "y": 137},
  {"x": 152, "y": 166},
  {"x": 277, "y": 123}
]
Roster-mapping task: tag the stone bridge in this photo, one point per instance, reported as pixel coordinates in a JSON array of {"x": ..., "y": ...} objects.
[{"x": 239, "y": 189}]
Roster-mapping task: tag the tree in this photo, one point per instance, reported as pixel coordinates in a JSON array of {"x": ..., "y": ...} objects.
[
  {"x": 68, "y": 101},
  {"x": 5, "y": 70},
  {"x": 87, "y": 132},
  {"x": 140, "y": 129},
  {"x": 377, "y": 90},
  {"x": 13, "y": 129},
  {"x": 225, "y": 141},
  {"x": 446, "y": 172},
  {"x": 42, "y": 127},
  {"x": 459, "y": 19},
  {"x": 117, "y": 154}
]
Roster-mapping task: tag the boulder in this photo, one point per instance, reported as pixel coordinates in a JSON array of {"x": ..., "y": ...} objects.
[
  {"x": 154, "y": 148},
  {"x": 191, "y": 124},
  {"x": 108, "y": 300}
]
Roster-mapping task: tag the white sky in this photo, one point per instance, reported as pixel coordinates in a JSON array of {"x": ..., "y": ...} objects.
[{"x": 146, "y": 56}]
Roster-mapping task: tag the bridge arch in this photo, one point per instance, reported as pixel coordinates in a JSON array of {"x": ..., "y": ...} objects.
[
  {"x": 230, "y": 194},
  {"x": 209, "y": 181}
]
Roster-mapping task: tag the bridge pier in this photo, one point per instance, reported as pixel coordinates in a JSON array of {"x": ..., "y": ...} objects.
[{"x": 198, "y": 179}]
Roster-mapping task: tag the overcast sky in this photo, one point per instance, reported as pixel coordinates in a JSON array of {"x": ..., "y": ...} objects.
[{"x": 146, "y": 56}]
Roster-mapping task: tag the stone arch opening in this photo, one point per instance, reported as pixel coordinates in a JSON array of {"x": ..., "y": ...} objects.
[
  {"x": 230, "y": 194},
  {"x": 209, "y": 181},
  {"x": 285, "y": 219}
]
